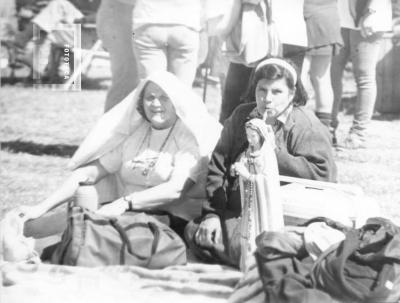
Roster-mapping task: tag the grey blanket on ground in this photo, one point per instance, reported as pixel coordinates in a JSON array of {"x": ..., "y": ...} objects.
[{"x": 22, "y": 282}]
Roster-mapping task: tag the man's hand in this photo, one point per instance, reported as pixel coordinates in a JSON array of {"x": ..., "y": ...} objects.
[{"x": 209, "y": 232}]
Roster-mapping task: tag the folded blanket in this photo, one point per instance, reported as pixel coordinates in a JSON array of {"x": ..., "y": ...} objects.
[{"x": 22, "y": 282}]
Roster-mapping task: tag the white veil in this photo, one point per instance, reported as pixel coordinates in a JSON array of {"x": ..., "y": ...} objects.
[{"x": 123, "y": 119}]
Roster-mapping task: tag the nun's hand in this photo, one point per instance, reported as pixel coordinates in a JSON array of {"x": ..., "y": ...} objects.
[
  {"x": 114, "y": 209},
  {"x": 26, "y": 212}
]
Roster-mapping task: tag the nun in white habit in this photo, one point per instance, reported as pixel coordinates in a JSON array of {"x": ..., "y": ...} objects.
[{"x": 142, "y": 155}]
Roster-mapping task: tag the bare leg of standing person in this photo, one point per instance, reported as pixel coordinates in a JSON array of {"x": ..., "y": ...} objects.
[
  {"x": 337, "y": 68},
  {"x": 320, "y": 74}
]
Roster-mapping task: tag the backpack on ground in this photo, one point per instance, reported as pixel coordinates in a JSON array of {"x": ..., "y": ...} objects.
[{"x": 365, "y": 267}]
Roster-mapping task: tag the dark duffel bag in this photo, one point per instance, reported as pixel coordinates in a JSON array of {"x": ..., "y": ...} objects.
[
  {"x": 130, "y": 239},
  {"x": 365, "y": 267}
]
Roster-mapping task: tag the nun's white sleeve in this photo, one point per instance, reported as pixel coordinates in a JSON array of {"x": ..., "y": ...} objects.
[
  {"x": 186, "y": 159},
  {"x": 112, "y": 160}
]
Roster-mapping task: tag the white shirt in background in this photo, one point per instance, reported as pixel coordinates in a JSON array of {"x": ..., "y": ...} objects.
[
  {"x": 190, "y": 13},
  {"x": 383, "y": 13},
  {"x": 289, "y": 20}
]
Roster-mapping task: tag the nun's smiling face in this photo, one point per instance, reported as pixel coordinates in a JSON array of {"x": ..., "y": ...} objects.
[{"x": 158, "y": 107}]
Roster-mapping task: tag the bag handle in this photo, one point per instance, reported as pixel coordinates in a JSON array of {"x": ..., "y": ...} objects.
[
  {"x": 74, "y": 214},
  {"x": 126, "y": 243},
  {"x": 156, "y": 232},
  {"x": 346, "y": 248},
  {"x": 155, "y": 229}
]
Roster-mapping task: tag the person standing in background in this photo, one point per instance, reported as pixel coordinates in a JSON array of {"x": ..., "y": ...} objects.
[
  {"x": 51, "y": 23},
  {"x": 363, "y": 23},
  {"x": 114, "y": 28},
  {"x": 167, "y": 36},
  {"x": 294, "y": 43},
  {"x": 8, "y": 20},
  {"x": 324, "y": 41}
]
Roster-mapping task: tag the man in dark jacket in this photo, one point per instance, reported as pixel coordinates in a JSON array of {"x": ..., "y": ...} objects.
[{"x": 303, "y": 150}]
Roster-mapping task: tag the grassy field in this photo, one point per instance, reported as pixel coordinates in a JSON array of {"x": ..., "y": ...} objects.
[{"x": 40, "y": 130}]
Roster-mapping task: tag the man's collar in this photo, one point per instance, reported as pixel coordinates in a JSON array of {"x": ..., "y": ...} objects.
[
  {"x": 283, "y": 118},
  {"x": 289, "y": 119}
]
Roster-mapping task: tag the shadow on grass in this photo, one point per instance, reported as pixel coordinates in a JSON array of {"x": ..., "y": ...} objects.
[
  {"x": 95, "y": 83},
  {"x": 348, "y": 108},
  {"x": 10, "y": 81},
  {"x": 37, "y": 149},
  {"x": 16, "y": 80},
  {"x": 386, "y": 117},
  {"x": 86, "y": 83}
]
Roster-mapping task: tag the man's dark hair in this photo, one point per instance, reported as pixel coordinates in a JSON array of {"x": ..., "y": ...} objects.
[{"x": 275, "y": 72}]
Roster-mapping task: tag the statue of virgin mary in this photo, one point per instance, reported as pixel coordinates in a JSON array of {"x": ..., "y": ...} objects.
[{"x": 259, "y": 187}]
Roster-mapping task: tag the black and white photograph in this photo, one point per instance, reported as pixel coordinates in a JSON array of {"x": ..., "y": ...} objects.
[{"x": 200, "y": 151}]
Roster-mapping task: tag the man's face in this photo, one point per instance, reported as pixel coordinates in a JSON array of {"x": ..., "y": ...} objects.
[{"x": 273, "y": 96}]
